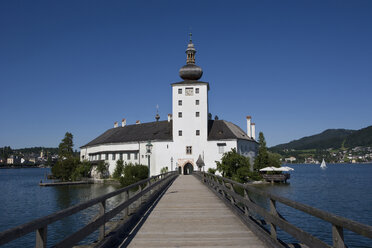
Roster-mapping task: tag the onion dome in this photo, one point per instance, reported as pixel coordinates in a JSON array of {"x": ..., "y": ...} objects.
[{"x": 190, "y": 71}]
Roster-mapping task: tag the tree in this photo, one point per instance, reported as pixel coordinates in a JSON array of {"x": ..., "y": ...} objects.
[
  {"x": 65, "y": 148},
  {"x": 5, "y": 152},
  {"x": 164, "y": 170},
  {"x": 82, "y": 170},
  {"x": 119, "y": 169},
  {"x": 133, "y": 174},
  {"x": 65, "y": 168},
  {"x": 274, "y": 159},
  {"x": 102, "y": 168},
  {"x": 231, "y": 161},
  {"x": 262, "y": 159},
  {"x": 67, "y": 163},
  {"x": 212, "y": 170}
]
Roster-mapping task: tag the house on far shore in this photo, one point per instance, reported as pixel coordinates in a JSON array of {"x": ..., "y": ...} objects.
[
  {"x": 290, "y": 160},
  {"x": 188, "y": 140},
  {"x": 13, "y": 160}
]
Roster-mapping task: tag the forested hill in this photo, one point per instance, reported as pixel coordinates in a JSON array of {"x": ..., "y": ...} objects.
[{"x": 330, "y": 138}]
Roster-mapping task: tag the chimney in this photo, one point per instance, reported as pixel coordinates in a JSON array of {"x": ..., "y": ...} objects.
[
  {"x": 116, "y": 124},
  {"x": 249, "y": 133},
  {"x": 253, "y": 131},
  {"x": 123, "y": 122},
  {"x": 169, "y": 117},
  {"x": 138, "y": 122}
]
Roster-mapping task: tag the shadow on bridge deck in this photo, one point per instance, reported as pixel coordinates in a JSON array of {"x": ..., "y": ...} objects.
[{"x": 190, "y": 215}]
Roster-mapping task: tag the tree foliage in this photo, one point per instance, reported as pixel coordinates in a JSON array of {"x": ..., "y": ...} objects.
[
  {"x": 65, "y": 148},
  {"x": 119, "y": 169},
  {"x": 82, "y": 170},
  {"x": 262, "y": 158},
  {"x": 164, "y": 170},
  {"x": 66, "y": 165},
  {"x": 5, "y": 152},
  {"x": 102, "y": 167},
  {"x": 274, "y": 159},
  {"x": 212, "y": 170},
  {"x": 234, "y": 165},
  {"x": 133, "y": 174},
  {"x": 64, "y": 169}
]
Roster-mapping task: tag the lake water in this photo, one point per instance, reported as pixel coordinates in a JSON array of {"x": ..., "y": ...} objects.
[
  {"x": 345, "y": 190},
  {"x": 23, "y": 200},
  {"x": 342, "y": 189}
]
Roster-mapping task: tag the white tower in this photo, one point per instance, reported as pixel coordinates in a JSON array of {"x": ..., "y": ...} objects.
[{"x": 190, "y": 113}]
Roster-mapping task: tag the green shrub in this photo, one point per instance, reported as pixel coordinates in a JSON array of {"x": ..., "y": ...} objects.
[
  {"x": 133, "y": 174},
  {"x": 255, "y": 176},
  {"x": 102, "y": 168},
  {"x": 119, "y": 169},
  {"x": 164, "y": 170},
  {"x": 82, "y": 170},
  {"x": 212, "y": 170}
]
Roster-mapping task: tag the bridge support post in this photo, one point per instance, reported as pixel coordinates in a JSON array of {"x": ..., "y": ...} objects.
[
  {"x": 338, "y": 236},
  {"x": 102, "y": 210},
  {"x": 246, "y": 196},
  {"x": 126, "y": 198},
  {"x": 274, "y": 212},
  {"x": 41, "y": 237}
]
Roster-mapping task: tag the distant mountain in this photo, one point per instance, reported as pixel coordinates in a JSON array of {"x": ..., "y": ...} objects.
[
  {"x": 330, "y": 138},
  {"x": 362, "y": 137}
]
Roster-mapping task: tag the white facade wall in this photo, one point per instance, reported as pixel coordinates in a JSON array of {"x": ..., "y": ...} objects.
[
  {"x": 159, "y": 158},
  {"x": 213, "y": 154},
  {"x": 189, "y": 123}
]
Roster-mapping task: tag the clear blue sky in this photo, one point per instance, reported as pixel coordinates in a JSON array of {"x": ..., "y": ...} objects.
[{"x": 297, "y": 67}]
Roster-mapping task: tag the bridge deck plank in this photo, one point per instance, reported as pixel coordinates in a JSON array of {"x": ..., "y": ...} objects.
[{"x": 190, "y": 215}]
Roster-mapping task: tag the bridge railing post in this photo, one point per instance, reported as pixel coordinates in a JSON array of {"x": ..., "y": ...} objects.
[
  {"x": 232, "y": 200},
  {"x": 126, "y": 198},
  {"x": 102, "y": 210},
  {"x": 274, "y": 212},
  {"x": 41, "y": 237},
  {"x": 246, "y": 196},
  {"x": 338, "y": 237}
]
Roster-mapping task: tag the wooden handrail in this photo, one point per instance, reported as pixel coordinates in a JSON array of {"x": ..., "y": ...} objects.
[
  {"x": 273, "y": 217},
  {"x": 40, "y": 225}
]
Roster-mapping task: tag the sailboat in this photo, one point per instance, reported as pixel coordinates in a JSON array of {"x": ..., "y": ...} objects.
[{"x": 323, "y": 165}]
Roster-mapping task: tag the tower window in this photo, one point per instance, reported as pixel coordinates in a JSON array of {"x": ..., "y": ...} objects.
[
  {"x": 197, "y": 132},
  {"x": 179, "y": 91},
  {"x": 179, "y": 102},
  {"x": 196, "y": 90},
  {"x": 196, "y": 102},
  {"x": 179, "y": 132},
  {"x": 180, "y": 114},
  {"x": 197, "y": 114},
  {"x": 188, "y": 149}
]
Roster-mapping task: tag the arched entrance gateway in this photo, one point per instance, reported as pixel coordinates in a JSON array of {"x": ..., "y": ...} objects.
[{"x": 188, "y": 169}]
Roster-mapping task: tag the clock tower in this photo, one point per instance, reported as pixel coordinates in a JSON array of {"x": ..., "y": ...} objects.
[{"x": 190, "y": 113}]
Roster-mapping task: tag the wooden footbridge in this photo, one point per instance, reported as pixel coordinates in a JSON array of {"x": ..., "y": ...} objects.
[{"x": 199, "y": 210}]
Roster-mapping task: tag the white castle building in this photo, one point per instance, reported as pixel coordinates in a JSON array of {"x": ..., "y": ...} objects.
[{"x": 187, "y": 141}]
